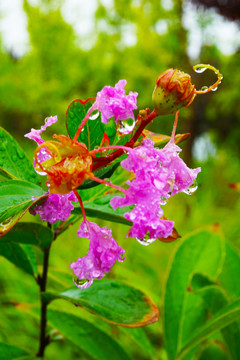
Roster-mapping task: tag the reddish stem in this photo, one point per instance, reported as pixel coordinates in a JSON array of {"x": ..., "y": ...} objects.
[
  {"x": 174, "y": 127},
  {"x": 103, "y": 161},
  {"x": 101, "y": 181}
]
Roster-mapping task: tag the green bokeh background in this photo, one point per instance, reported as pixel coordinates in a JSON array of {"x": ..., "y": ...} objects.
[{"x": 56, "y": 70}]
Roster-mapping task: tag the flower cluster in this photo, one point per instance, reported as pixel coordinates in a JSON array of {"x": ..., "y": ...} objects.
[
  {"x": 102, "y": 254},
  {"x": 158, "y": 175}
]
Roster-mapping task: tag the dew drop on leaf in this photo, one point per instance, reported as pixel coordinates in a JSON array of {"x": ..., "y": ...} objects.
[
  {"x": 200, "y": 70},
  {"x": 94, "y": 115}
]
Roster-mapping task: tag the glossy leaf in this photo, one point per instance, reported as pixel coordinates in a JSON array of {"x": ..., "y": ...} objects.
[
  {"x": 93, "y": 341},
  {"x": 15, "y": 200},
  {"x": 9, "y": 352},
  {"x": 93, "y": 131},
  {"x": 201, "y": 252},
  {"x": 30, "y": 234},
  {"x": 13, "y": 161},
  {"x": 216, "y": 299},
  {"x": 104, "y": 173},
  {"x": 112, "y": 301},
  {"x": 19, "y": 256},
  {"x": 231, "y": 267},
  {"x": 100, "y": 208},
  {"x": 228, "y": 315}
]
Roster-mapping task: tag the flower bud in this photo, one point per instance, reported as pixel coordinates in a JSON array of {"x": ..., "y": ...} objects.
[{"x": 173, "y": 90}]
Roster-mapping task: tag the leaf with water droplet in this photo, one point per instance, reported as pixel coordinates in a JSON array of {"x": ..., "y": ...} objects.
[
  {"x": 15, "y": 200},
  {"x": 14, "y": 162},
  {"x": 112, "y": 301},
  {"x": 94, "y": 129}
]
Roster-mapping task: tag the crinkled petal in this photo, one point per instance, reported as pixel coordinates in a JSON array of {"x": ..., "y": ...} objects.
[
  {"x": 113, "y": 102},
  {"x": 55, "y": 207},
  {"x": 36, "y": 134}
]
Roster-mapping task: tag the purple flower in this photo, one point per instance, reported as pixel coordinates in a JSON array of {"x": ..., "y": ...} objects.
[
  {"x": 102, "y": 254},
  {"x": 36, "y": 134},
  {"x": 113, "y": 102},
  {"x": 159, "y": 174},
  {"x": 55, "y": 207}
]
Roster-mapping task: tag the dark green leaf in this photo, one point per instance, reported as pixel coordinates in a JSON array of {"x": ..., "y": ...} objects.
[
  {"x": 17, "y": 255},
  {"x": 29, "y": 233},
  {"x": 86, "y": 336},
  {"x": 228, "y": 315},
  {"x": 112, "y": 301},
  {"x": 213, "y": 352},
  {"x": 15, "y": 200},
  {"x": 8, "y": 352},
  {"x": 201, "y": 252},
  {"x": 13, "y": 161},
  {"x": 100, "y": 208},
  {"x": 216, "y": 299},
  {"x": 104, "y": 173}
]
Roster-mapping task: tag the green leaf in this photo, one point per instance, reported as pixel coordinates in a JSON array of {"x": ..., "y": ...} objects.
[
  {"x": 104, "y": 173},
  {"x": 201, "y": 252},
  {"x": 15, "y": 200},
  {"x": 87, "y": 337},
  {"x": 100, "y": 208},
  {"x": 13, "y": 161},
  {"x": 93, "y": 131},
  {"x": 213, "y": 352},
  {"x": 19, "y": 256},
  {"x": 112, "y": 301},
  {"x": 231, "y": 267},
  {"x": 8, "y": 352},
  {"x": 228, "y": 315},
  {"x": 30, "y": 234},
  {"x": 140, "y": 337},
  {"x": 216, "y": 299}
]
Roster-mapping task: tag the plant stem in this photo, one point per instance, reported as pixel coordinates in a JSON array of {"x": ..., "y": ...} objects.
[{"x": 43, "y": 340}]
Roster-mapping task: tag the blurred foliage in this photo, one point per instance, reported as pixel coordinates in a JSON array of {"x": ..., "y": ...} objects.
[{"x": 56, "y": 70}]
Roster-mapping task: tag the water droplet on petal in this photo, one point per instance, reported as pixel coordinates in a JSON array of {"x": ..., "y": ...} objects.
[
  {"x": 200, "y": 70},
  {"x": 191, "y": 188},
  {"x": 126, "y": 126},
  {"x": 82, "y": 283},
  {"x": 146, "y": 240},
  {"x": 215, "y": 89},
  {"x": 203, "y": 88},
  {"x": 94, "y": 115}
]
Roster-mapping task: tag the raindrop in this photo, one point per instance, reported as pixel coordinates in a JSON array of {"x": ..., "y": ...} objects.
[
  {"x": 200, "y": 70},
  {"x": 215, "y": 89},
  {"x": 191, "y": 188},
  {"x": 126, "y": 126},
  {"x": 71, "y": 114},
  {"x": 146, "y": 240},
  {"x": 82, "y": 283},
  {"x": 163, "y": 200},
  {"x": 5, "y": 224},
  {"x": 94, "y": 115},
  {"x": 14, "y": 158},
  {"x": 20, "y": 153},
  {"x": 203, "y": 88}
]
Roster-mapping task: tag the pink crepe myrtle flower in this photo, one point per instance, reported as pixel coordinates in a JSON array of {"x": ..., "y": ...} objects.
[
  {"x": 113, "y": 102},
  {"x": 102, "y": 254},
  {"x": 159, "y": 174},
  {"x": 55, "y": 207},
  {"x": 36, "y": 134}
]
